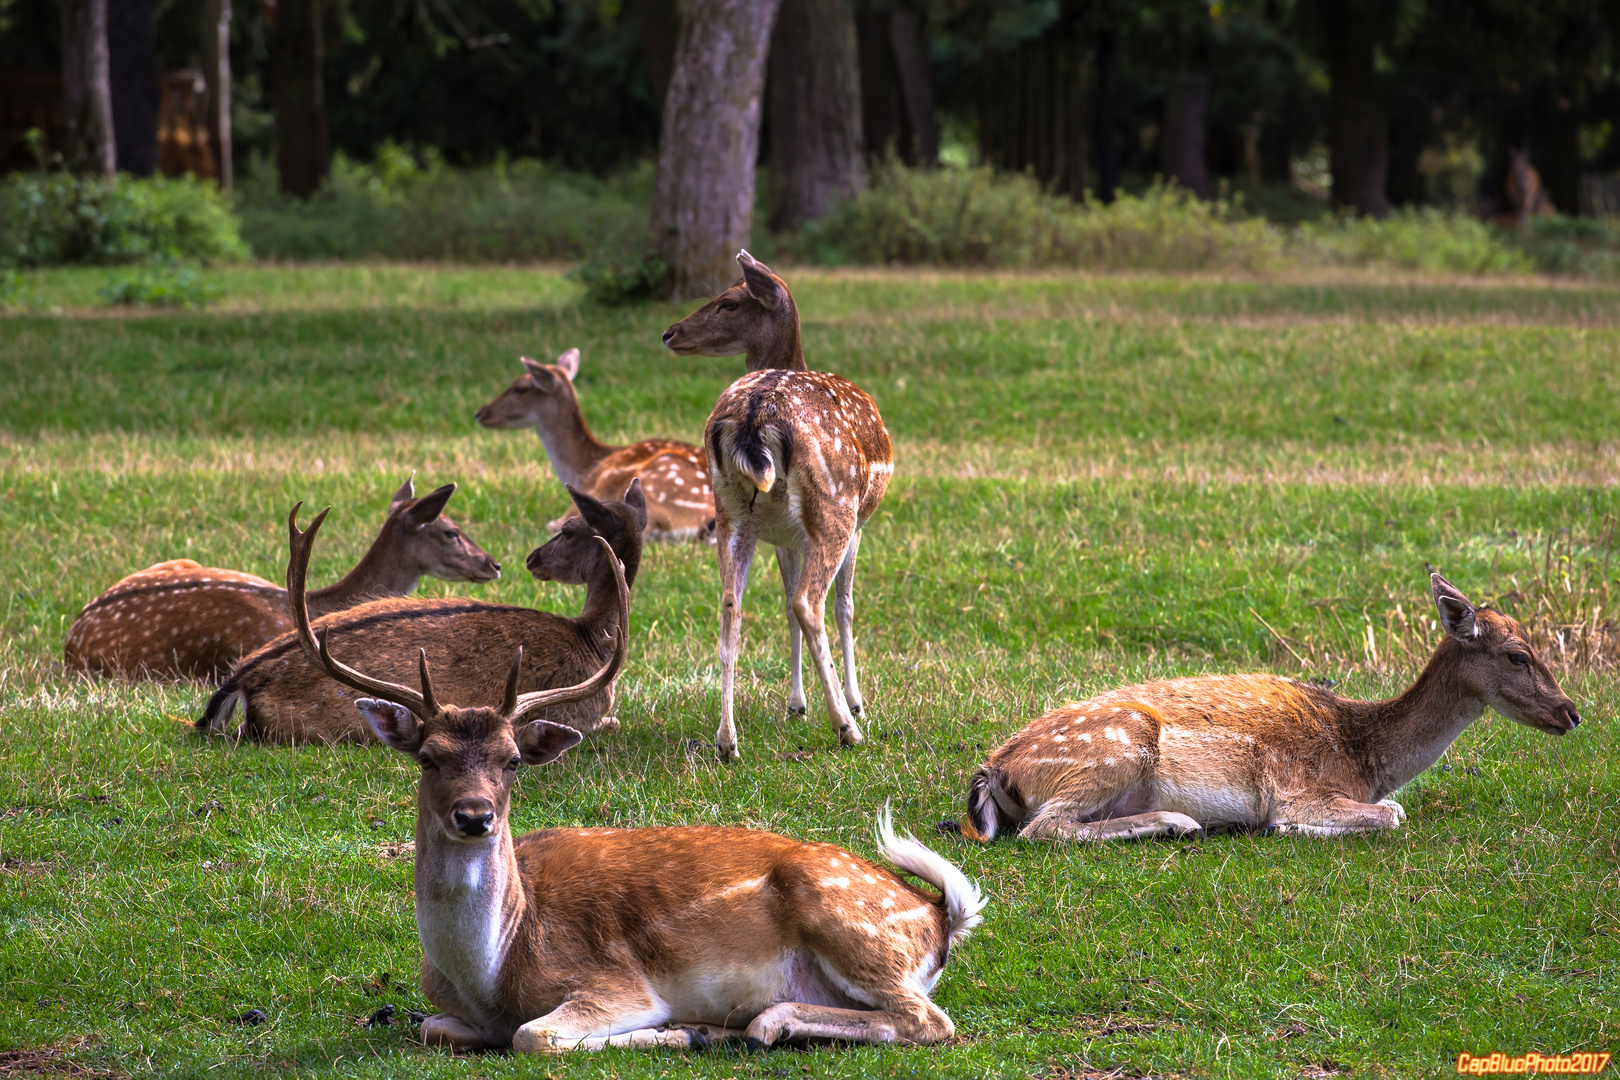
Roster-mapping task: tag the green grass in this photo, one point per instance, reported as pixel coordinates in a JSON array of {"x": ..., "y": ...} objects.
[{"x": 1100, "y": 479}]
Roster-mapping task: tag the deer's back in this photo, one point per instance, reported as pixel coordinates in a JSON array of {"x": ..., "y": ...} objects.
[
  {"x": 469, "y": 643},
  {"x": 177, "y": 619},
  {"x": 674, "y": 481}
]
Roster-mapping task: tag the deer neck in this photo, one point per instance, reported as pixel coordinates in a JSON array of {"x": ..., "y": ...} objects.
[
  {"x": 470, "y": 904},
  {"x": 784, "y": 350},
  {"x": 600, "y": 617},
  {"x": 378, "y": 574},
  {"x": 1407, "y": 734},
  {"x": 573, "y": 450}
]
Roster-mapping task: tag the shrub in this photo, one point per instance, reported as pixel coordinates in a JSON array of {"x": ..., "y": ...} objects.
[
  {"x": 1412, "y": 239},
  {"x": 613, "y": 279},
  {"x": 397, "y": 207},
  {"x": 52, "y": 219},
  {"x": 976, "y": 217},
  {"x": 174, "y": 286}
]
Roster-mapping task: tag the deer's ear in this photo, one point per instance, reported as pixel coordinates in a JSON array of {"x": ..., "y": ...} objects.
[
  {"x": 1456, "y": 613},
  {"x": 533, "y": 367},
  {"x": 406, "y": 492},
  {"x": 395, "y": 725},
  {"x": 636, "y": 500},
  {"x": 761, "y": 284},
  {"x": 591, "y": 509},
  {"x": 429, "y": 506},
  {"x": 540, "y": 741},
  {"x": 569, "y": 362}
]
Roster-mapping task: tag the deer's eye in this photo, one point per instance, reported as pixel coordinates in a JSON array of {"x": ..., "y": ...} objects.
[
  {"x": 427, "y": 762},
  {"x": 1519, "y": 659},
  {"x": 517, "y": 759},
  {"x": 729, "y": 305},
  {"x": 451, "y": 534}
]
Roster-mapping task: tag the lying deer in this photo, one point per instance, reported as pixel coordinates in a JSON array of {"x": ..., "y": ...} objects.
[
  {"x": 181, "y": 620},
  {"x": 284, "y": 698},
  {"x": 799, "y": 459},
  {"x": 582, "y": 939},
  {"x": 674, "y": 476},
  {"x": 1259, "y": 751}
]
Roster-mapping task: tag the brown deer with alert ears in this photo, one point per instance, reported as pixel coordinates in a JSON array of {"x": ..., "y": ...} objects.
[
  {"x": 1259, "y": 751},
  {"x": 581, "y": 939},
  {"x": 799, "y": 459},
  {"x": 674, "y": 476},
  {"x": 181, "y": 620},
  {"x": 285, "y": 698}
]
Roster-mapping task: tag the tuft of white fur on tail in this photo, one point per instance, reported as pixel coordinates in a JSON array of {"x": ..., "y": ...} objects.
[
  {"x": 761, "y": 478},
  {"x": 219, "y": 710},
  {"x": 964, "y": 905}
]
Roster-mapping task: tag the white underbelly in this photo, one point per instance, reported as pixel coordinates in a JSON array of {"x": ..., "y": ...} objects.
[{"x": 734, "y": 995}]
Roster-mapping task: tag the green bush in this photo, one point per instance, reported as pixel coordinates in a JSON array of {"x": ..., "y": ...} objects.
[
  {"x": 977, "y": 217},
  {"x": 53, "y": 219},
  {"x": 1588, "y": 247},
  {"x": 1411, "y": 239},
  {"x": 173, "y": 286},
  {"x": 614, "y": 279},
  {"x": 400, "y": 208}
]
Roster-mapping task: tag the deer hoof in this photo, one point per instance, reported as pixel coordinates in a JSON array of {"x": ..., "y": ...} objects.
[
  {"x": 797, "y": 710},
  {"x": 696, "y": 1040},
  {"x": 728, "y": 753},
  {"x": 751, "y": 1043}
]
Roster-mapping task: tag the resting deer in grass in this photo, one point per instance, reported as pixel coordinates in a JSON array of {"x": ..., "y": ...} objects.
[
  {"x": 674, "y": 476},
  {"x": 285, "y": 698},
  {"x": 181, "y": 620},
  {"x": 799, "y": 459},
  {"x": 1259, "y": 751},
  {"x": 582, "y": 939}
]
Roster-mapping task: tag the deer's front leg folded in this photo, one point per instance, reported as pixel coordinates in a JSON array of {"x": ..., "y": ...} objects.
[
  {"x": 1337, "y": 816},
  {"x": 442, "y": 1029},
  {"x": 625, "y": 1019}
]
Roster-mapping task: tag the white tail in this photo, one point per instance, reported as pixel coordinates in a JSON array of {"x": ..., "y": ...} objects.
[{"x": 963, "y": 903}]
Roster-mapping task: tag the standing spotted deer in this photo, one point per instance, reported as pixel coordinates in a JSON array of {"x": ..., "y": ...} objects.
[
  {"x": 284, "y": 698},
  {"x": 182, "y": 620},
  {"x": 1259, "y": 751},
  {"x": 799, "y": 459},
  {"x": 674, "y": 476}
]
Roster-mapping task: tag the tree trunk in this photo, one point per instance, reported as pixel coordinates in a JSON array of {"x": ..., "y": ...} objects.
[
  {"x": 1186, "y": 123},
  {"x": 88, "y": 145},
  {"x": 132, "y": 77},
  {"x": 897, "y": 87},
  {"x": 1032, "y": 112},
  {"x": 217, "y": 70},
  {"x": 815, "y": 95},
  {"x": 1107, "y": 113},
  {"x": 1358, "y": 137},
  {"x": 297, "y": 51},
  {"x": 703, "y": 204}
]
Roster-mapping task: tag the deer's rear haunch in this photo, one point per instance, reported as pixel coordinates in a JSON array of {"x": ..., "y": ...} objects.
[
  {"x": 181, "y": 620},
  {"x": 800, "y": 460},
  {"x": 284, "y": 698},
  {"x": 587, "y": 938},
  {"x": 1259, "y": 751}
]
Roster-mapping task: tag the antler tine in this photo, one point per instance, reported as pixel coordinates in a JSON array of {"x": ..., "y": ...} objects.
[
  {"x": 302, "y": 544},
  {"x": 608, "y": 672},
  {"x": 509, "y": 699}
]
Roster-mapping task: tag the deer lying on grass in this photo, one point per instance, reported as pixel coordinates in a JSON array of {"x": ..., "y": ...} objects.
[
  {"x": 181, "y": 620},
  {"x": 674, "y": 476},
  {"x": 799, "y": 459},
  {"x": 581, "y": 939},
  {"x": 285, "y": 698},
  {"x": 1259, "y": 751}
]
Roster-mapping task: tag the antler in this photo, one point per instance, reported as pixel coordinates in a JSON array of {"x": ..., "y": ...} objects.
[
  {"x": 516, "y": 705},
  {"x": 302, "y": 543}
]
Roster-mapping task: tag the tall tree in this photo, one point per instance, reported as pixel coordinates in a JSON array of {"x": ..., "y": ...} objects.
[
  {"x": 897, "y": 85},
  {"x": 703, "y": 204},
  {"x": 217, "y": 70},
  {"x": 815, "y": 98},
  {"x": 1186, "y": 127},
  {"x": 1107, "y": 113},
  {"x": 86, "y": 89},
  {"x": 1033, "y": 108},
  {"x": 303, "y": 156},
  {"x": 1358, "y": 135},
  {"x": 133, "y": 80}
]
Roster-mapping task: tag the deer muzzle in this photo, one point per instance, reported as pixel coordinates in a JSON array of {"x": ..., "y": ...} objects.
[{"x": 473, "y": 817}]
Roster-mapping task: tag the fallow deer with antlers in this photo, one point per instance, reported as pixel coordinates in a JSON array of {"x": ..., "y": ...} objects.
[
  {"x": 182, "y": 620},
  {"x": 583, "y": 939},
  {"x": 284, "y": 698},
  {"x": 1259, "y": 751},
  {"x": 674, "y": 476},
  {"x": 799, "y": 459}
]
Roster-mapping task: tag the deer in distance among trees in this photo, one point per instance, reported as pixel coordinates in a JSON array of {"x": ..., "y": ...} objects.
[
  {"x": 799, "y": 459},
  {"x": 1259, "y": 752},
  {"x": 182, "y": 620},
  {"x": 285, "y": 698},
  {"x": 674, "y": 475}
]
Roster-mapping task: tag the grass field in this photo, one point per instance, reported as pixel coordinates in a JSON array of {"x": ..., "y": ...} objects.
[{"x": 1099, "y": 479}]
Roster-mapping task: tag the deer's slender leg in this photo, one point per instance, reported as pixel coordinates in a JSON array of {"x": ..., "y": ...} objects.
[
  {"x": 820, "y": 564},
  {"x": 1064, "y": 820},
  {"x": 787, "y": 561},
  {"x": 844, "y": 611},
  {"x": 916, "y": 1020},
  {"x": 736, "y": 551},
  {"x": 1337, "y": 816},
  {"x": 627, "y": 1019},
  {"x": 443, "y": 1029}
]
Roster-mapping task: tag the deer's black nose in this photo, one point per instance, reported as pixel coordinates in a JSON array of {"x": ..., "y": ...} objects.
[
  {"x": 1572, "y": 716},
  {"x": 473, "y": 823},
  {"x": 668, "y": 334}
]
